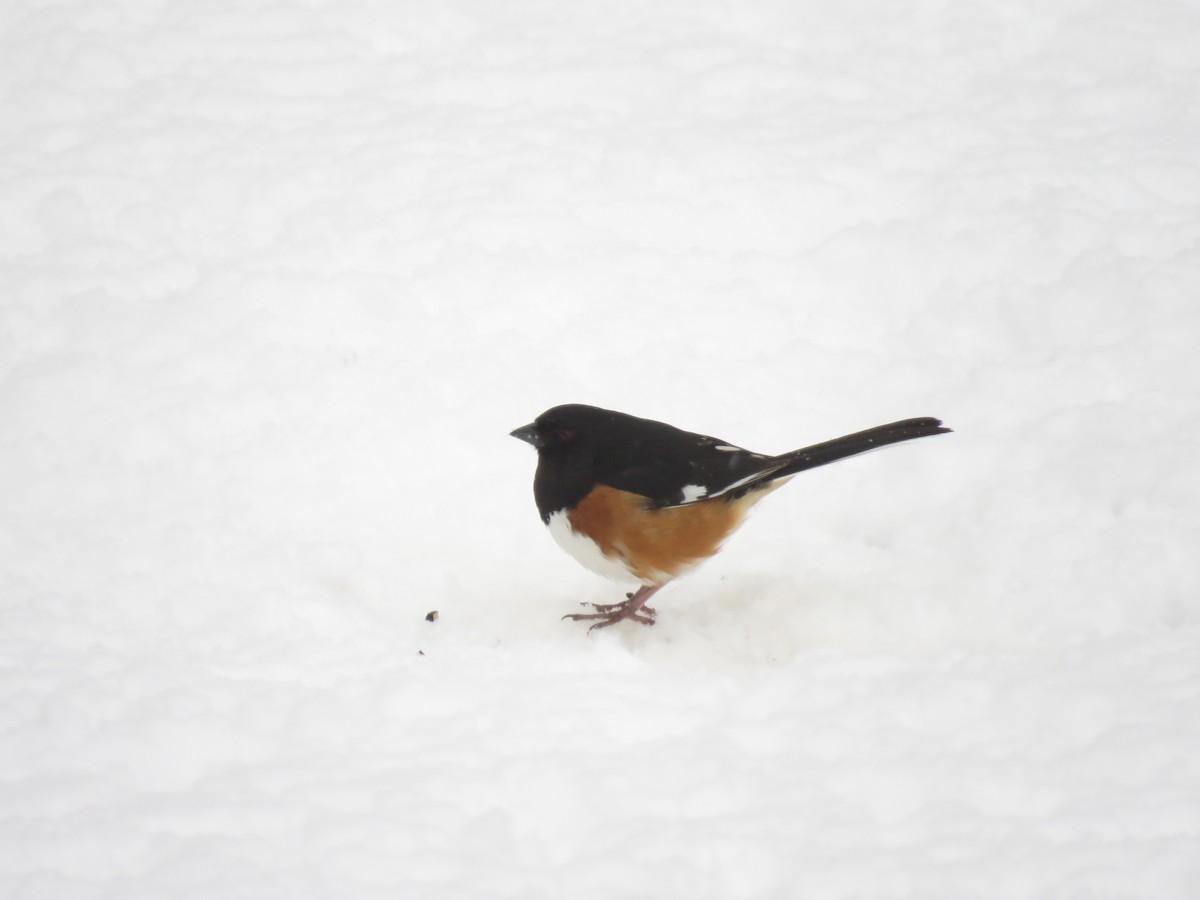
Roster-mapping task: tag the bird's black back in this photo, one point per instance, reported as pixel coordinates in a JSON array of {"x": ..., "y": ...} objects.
[
  {"x": 580, "y": 447},
  {"x": 584, "y": 446}
]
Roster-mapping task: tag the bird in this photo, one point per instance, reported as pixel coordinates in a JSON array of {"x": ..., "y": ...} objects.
[{"x": 641, "y": 501}]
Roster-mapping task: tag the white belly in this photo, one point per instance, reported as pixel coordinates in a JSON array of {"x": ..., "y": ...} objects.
[{"x": 587, "y": 551}]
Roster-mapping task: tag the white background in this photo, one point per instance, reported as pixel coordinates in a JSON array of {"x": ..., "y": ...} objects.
[{"x": 278, "y": 278}]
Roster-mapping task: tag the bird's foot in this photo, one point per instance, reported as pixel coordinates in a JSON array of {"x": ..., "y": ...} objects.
[
  {"x": 603, "y": 620},
  {"x": 625, "y": 604},
  {"x": 633, "y": 608}
]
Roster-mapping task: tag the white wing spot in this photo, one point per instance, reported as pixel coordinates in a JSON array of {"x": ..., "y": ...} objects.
[
  {"x": 753, "y": 476},
  {"x": 729, "y": 448}
]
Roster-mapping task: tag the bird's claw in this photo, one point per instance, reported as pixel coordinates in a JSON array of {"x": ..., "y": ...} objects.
[
  {"x": 607, "y": 614},
  {"x": 633, "y": 607}
]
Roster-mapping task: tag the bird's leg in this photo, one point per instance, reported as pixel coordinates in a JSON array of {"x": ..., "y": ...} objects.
[
  {"x": 633, "y": 607},
  {"x": 609, "y": 607}
]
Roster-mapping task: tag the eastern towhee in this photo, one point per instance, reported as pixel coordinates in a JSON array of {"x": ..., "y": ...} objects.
[{"x": 639, "y": 500}]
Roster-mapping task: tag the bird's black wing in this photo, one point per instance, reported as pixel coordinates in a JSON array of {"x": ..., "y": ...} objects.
[{"x": 676, "y": 469}]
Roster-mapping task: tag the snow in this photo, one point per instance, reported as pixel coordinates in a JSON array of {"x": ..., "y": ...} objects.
[{"x": 277, "y": 281}]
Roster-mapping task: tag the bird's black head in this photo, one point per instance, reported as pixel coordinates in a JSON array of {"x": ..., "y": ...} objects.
[
  {"x": 565, "y": 429},
  {"x": 570, "y": 442}
]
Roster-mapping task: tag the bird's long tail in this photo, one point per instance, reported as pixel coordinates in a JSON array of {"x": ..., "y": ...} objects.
[{"x": 860, "y": 442}]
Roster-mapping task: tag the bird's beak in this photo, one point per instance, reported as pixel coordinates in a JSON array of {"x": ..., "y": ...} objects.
[{"x": 528, "y": 434}]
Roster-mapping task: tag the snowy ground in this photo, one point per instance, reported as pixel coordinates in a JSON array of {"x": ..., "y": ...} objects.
[{"x": 277, "y": 280}]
